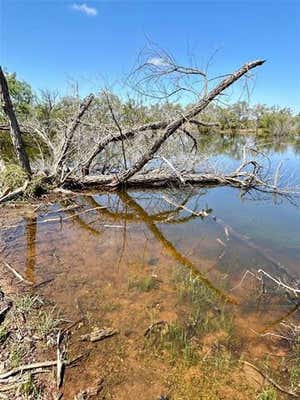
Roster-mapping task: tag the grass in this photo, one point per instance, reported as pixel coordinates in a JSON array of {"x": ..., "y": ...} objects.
[
  {"x": 294, "y": 364},
  {"x": 189, "y": 288},
  {"x": 17, "y": 354},
  {"x": 267, "y": 394},
  {"x": 26, "y": 303},
  {"x": 47, "y": 322},
  {"x": 44, "y": 322},
  {"x": 30, "y": 390},
  {"x": 295, "y": 374},
  {"x": 28, "y": 330},
  {"x": 36, "y": 187},
  {"x": 176, "y": 341},
  {"x": 145, "y": 284},
  {"x": 13, "y": 177},
  {"x": 205, "y": 380},
  {"x": 207, "y": 313},
  {"x": 201, "y": 314},
  {"x": 110, "y": 306}
]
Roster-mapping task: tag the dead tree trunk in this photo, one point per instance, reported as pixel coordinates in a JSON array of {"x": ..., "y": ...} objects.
[
  {"x": 70, "y": 133},
  {"x": 173, "y": 126},
  {"x": 15, "y": 131}
]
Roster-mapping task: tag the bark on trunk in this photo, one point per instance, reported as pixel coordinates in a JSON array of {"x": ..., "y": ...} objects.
[
  {"x": 15, "y": 131},
  {"x": 149, "y": 180}
]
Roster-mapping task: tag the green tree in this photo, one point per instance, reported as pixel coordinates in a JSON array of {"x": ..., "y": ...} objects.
[{"x": 21, "y": 95}]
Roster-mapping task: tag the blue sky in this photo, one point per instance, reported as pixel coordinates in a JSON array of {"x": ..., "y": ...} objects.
[{"x": 49, "y": 42}]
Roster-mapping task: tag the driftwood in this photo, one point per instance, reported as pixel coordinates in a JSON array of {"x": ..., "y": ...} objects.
[
  {"x": 24, "y": 368},
  {"x": 236, "y": 179},
  {"x": 68, "y": 174},
  {"x": 14, "y": 194},
  {"x": 90, "y": 392},
  {"x": 99, "y": 334},
  {"x": 35, "y": 366},
  {"x": 259, "y": 276},
  {"x": 15, "y": 131}
]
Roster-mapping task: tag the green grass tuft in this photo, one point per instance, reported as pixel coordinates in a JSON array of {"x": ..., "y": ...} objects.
[
  {"x": 145, "y": 284},
  {"x": 267, "y": 394}
]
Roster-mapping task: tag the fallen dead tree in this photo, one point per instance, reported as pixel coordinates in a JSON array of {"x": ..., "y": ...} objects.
[
  {"x": 72, "y": 154},
  {"x": 241, "y": 178}
]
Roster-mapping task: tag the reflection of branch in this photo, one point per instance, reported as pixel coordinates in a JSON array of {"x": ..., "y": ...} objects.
[
  {"x": 202, "y": 213},
  {"x": 143, "y": 216},
  {"x": 31, "y": 228},
  {"x": 279, "y": 282},
  {"x": 162, "y": 217},
  {"x": 170, "y": 247},
  {"x": 85, "y": 225}
]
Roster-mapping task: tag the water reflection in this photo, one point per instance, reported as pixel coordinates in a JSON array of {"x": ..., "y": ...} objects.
[
  {"x": 93, "y": 246},
  {"x": 30, "y": 233}
]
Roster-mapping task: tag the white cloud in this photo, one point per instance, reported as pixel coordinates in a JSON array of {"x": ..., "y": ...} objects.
[
  {"x": 158, "y": 61},
  {"x": 83, "y": 8}
]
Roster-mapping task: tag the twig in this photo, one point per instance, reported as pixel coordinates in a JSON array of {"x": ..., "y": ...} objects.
[
  {"x": 83, "y": 212},
  {"x": 113, "y": 226},
  {"x": 279, "y": 282},
  {"x": 198, "y": 214},
  {"x": 22, "y": 368},
  {"x": 221, "y": 242},
  {"x": 154, "y": 325},
  {"x": 38, "y": 285},
  {"x": 276, "y": 385},
  {"x": 19, "y": 276},
  {"x": 59, "y": 361},
  {"x": 173, "y": 168},
  {"x": 29, "y": 367}
]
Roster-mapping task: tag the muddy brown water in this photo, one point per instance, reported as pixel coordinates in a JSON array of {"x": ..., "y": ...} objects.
[{"x": 97, "y": 248}]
